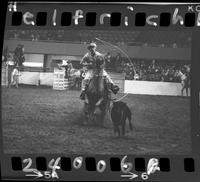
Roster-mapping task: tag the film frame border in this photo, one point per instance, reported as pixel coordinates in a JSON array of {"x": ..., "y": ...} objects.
[
  {"x": 194, "y": 112},
  {"x": 144, "y": 14}
]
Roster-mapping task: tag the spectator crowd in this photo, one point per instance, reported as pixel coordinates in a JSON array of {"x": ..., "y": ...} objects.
[
  {"x": 141, "y": 70},
  {"x": 150, "y": 70},
  {"x": 120, "y": 38},
  {"x": 133, "y": 69}
]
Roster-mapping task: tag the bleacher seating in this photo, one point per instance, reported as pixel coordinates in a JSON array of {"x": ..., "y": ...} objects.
[{"x": 132, "y": 38}]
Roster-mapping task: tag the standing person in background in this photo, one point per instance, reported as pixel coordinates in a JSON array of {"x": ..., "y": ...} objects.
[
  {"x": 188, "y": 75},
  {"x": 184, "y": 81},
  {"x": 82, "y": 75},
  {"x": 64, "y": 65},
  {"x": 118, "y": 61},
  {"x": 5, "y": 55},
  {"x": 18, "y": 57},
  {"x": 70, "y": 68},
  {"x": 15, "y": 77}
]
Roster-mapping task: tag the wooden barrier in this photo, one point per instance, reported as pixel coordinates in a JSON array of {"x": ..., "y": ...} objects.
[{"x": 60, "y": 82}]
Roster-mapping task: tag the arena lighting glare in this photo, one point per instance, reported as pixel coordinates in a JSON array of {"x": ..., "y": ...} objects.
[{"x": 152, "y": 20}]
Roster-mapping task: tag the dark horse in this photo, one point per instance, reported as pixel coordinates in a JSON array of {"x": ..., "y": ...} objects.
[{"x": 97, "y": 100}]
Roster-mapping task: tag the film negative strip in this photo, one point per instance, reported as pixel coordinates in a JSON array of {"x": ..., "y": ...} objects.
[{"x": 100, "y": 91}]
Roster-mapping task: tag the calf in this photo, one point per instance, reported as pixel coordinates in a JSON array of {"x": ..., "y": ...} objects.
[{"x": 120, "y": 112}]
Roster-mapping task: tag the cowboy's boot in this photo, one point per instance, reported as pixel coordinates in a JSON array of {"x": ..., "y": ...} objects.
[{"x": 82, "y": 96}]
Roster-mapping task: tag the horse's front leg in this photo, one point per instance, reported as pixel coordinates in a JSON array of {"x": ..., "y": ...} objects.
[
  {"x": 88, "y": 113},
  {"x": 102, "y": 116}
]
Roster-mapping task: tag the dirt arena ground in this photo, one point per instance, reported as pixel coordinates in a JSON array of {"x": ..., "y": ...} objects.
[{"x": 42, "y": 120}]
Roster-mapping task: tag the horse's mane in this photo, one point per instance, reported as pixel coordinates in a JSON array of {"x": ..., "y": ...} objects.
[{"x": 92, "y": 86}]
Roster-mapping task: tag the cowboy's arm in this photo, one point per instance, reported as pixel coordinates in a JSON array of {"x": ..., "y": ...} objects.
[
  {"x": 102, "y": 61},
  {"x": 102, "y": 66},
  {"x": 85, "y": 61}
]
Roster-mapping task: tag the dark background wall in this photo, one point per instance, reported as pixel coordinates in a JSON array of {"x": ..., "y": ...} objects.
[{"x": 142, "y": 52}]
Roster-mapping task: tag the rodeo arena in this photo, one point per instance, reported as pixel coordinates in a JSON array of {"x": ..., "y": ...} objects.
[{"x": 96, "y": 92}]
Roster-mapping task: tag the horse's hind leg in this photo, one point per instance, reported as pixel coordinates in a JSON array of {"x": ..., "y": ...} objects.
[
  {"x": 102, "y": 118},
  {"x": 86, "y": 114}
]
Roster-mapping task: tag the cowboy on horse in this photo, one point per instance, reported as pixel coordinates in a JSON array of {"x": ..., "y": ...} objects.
[{"x": 94, "y": 63}]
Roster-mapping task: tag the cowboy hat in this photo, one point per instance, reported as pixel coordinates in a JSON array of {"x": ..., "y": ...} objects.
[{"x": 91, "y": 45}]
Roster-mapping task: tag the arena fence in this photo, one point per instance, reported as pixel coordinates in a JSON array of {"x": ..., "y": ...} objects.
[
  {"x": 57, "y": 81},
  {"x": 153, "y": 88},
  {"x": 60, "y": 82}
]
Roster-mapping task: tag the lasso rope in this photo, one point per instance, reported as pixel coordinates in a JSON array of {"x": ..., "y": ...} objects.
[{"x": 116, "y": 47}]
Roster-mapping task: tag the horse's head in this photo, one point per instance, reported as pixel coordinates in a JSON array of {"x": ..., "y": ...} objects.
[
  {"x": 97, "y": 99},
  {"x": 96, "y": 90},
  {"x": 97, "y": 94}
]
